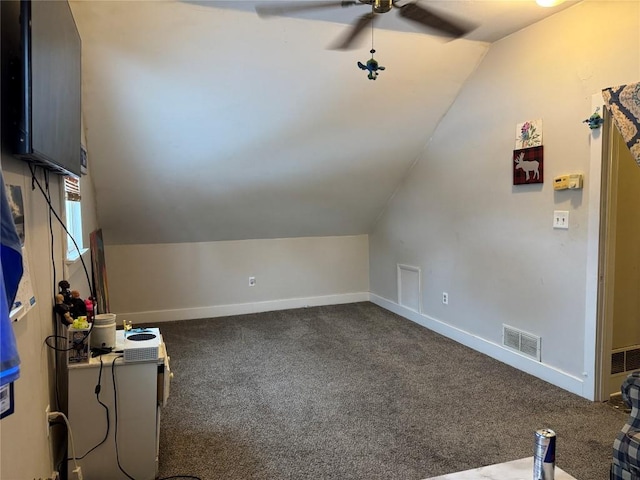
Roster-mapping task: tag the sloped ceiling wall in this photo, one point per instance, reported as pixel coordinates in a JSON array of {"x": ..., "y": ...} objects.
[
  {"x": 208, "y": 124},
  {"x": 205, "y": 122}
]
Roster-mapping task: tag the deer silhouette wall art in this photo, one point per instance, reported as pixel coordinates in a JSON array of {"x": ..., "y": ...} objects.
[{"x": 529, "y": 162}]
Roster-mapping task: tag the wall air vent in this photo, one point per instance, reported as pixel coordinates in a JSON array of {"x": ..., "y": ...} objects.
[
  {"x": 632, "y": 359},
  {"x": 523, "y": 342},
  {"x": 626, "y": 359},
  {"x": 617, "y": 363}
]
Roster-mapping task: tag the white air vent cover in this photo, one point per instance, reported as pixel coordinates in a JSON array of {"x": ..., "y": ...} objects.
[{"x": 522, "y": 342}]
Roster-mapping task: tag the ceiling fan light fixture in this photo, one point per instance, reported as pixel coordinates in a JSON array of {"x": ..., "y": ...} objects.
[{"x": 549, "y": 3}]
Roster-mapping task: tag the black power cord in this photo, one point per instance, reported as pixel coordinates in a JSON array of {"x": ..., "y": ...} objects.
[
  {"x": 53, "y": 266},
  {"x": 50, "y": 217},
  {"x": 106, "y": 409},
  {"x": 46, "y": 193},
  {"x": 47, "y": 197},
  {"x": 115, "y": 409},
  {"x": 52, "y": 210}
]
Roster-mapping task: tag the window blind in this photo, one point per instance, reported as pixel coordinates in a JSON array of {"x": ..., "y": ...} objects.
[{"x": 72, "y": 189}]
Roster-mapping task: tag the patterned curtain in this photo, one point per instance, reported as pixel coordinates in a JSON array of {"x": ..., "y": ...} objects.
[{"x": 624, "y": 104}]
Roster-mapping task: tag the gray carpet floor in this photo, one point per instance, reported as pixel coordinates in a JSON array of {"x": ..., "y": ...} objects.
[{"x": 356, "y": 392}]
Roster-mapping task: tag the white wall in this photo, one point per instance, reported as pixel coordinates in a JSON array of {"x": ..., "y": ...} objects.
[
  {"x": 490, "y": 244},
  {"x": 25, "y": 447},
  {"x": 151, "y": 283}
]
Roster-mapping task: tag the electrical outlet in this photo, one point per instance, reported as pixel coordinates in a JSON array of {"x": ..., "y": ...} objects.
[
  {"x": 46, "y": 418},
  {"x": 445, "y": 298},
  {"x": 252, "y": 281}
]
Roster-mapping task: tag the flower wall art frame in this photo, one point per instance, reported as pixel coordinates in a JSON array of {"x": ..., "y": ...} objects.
[{"x": 529, "y": 134}]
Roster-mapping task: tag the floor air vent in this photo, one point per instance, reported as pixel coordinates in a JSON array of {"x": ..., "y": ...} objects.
[{"x": 522, "y": 342}]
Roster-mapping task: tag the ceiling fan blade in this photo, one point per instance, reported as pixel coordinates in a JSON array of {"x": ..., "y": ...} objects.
[
  {"x": 355, "y": 31},
  {"x": 284, "y": 8},
  {"x": 428, "y": 18}
]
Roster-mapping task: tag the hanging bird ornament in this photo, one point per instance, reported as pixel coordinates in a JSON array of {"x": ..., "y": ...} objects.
[{"x": 372, "y": 66}]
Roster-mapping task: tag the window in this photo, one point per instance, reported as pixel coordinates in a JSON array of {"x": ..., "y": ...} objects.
[{"x": 73, "y": 213}]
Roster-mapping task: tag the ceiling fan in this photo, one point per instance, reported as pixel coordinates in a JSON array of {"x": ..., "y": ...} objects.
[{"x": 428, "y": 19}]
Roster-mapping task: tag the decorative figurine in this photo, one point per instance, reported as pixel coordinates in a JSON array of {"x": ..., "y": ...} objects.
[
  {"x": 69, "y": 306},
  {"x": 64, "y": 290},
  {"x": 595, "y": 120},
  {"x": 88, "y": 303},
  {"x": 63, "y": 310},
  {"x": 372, "y": 66},
  {"x": 77, "y": 306}
]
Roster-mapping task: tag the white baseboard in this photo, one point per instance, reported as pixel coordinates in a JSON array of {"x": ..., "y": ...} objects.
[
  {"x": 537, "y": 369},
  {"x": 240, "y": 308},
  {"x": 545, "y": 372}
]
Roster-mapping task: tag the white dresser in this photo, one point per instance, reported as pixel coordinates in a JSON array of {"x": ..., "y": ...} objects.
[{"x": 132, "y": 443}]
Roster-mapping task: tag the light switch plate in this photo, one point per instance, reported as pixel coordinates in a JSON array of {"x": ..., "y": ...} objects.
[{"x": 561, "y": 219}]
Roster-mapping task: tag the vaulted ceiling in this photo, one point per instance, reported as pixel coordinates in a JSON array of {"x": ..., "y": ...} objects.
[{"x": 205, "y": 122}]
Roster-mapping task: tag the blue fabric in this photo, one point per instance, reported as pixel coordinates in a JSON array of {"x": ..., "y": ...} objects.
[{"x": 10, "y": 275}]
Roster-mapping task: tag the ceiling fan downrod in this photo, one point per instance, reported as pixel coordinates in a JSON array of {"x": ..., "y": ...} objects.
[{"x": 382, "y": 6}]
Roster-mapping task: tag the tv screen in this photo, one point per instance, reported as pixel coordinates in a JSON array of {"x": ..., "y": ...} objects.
[{"x": 41, "y": 89}]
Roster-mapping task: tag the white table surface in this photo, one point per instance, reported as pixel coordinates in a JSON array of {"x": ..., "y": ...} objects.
[{"x": 515, "y": 470}]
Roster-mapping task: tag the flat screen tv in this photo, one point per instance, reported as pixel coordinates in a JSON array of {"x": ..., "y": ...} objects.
[{"x": 41, "y": 89}]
